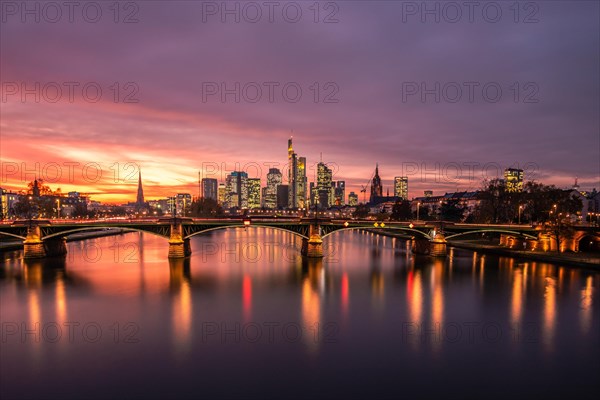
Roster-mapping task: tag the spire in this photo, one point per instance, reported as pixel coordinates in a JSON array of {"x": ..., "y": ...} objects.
[{"x": 140, "y": 192}]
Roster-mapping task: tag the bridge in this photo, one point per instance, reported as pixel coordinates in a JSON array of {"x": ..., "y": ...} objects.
[{"x": 43, "y": 238}]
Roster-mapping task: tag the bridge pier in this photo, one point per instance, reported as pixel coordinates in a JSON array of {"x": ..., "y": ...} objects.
[
  {"x": 434, "y": 248},
  {"x": 313, "y": 246},
  {"x": 178, "y": 246},
  {"x": 33, "y": 246},
  {"x": 56, "y": 246}
]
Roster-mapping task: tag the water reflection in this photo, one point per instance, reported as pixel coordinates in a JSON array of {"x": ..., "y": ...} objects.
[
  {"x": 171, "y": 300},
  {"x": 182, "y": 309},
  {"x": 549, "y": 312},
  {"x": 313, "y": 284},
  {"x": 585, "y": 313},
  {"x": 517, "y": 299},
  {"x": 437, "y": 305}
]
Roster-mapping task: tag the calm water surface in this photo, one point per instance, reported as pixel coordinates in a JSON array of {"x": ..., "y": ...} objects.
[{"x": 245, "y": 316}]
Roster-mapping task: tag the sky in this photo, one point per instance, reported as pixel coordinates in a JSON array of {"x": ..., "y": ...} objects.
[{"x": 445, "y": 93}]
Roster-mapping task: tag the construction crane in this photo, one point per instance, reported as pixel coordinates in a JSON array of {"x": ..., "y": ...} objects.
[{"x": 364, "y": 188}]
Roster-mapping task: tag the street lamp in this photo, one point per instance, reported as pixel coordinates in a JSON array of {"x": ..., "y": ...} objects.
[
  {"x": 418, "y": 206},
  {"x": 520, "y": 209}
]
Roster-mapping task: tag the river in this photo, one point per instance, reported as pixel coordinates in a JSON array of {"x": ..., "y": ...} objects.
[{"x": 246, "y": 316}]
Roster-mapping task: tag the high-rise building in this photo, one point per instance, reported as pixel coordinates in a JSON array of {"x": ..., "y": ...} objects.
[
  {"x": 324, "y": 186},
  {"x": 428, "y": 193},
  {"x": 513, "y": 179},
  {"x": 296, "y": 179},
  {"x": 221, "y": 194},
  {"x": 353, "y": 199},
  {"x": 313, "y": 195},
  {"x": 253, "y": 188},
  {"x": 376, "y": 188},
  {"x": 340, "y": 193},
  {"x": 274, "y": 179},
  {"x": 208, "y": 188},
  {"x": 236, "y": 190},
  {"x": 183, "y": 201},
  {"x": 282, "y": 196},
  {"x": 401, "y": 187},
  {"x": 263, "y": 196}
]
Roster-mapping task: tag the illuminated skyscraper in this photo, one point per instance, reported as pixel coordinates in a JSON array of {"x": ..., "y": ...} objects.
[
  {"x": 353, "y": 199},
  {"x": 221, "y": 194},
  {"x": 401, "y": 187},
  {"x": 340, "y": 193},
  {"x": 324, "y": 188},
  {"x": 273, "y": 180},
  {"x": 513, "y": 178},
  {"x": 296, "y": 179},
  {"x": 253, "y": 188},
  {"x": 236, "y": 190},
  {"x": 184, "y": 201}
]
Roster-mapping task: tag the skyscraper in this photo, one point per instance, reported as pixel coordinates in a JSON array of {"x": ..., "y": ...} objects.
[
  {"x": 324, "y": 188},
  {"x": 353, "y": 199},
  {"x": 376, "y": 188},
  {"x": 208, "y": 188},
  {"x": 273, "y": 180},
  {"x": 253, "y": 189},
  {"x": 340, "y": 193},
  {"x": 401, "y": 187},
  {"x": 221, "y": 194},
  {"x": 296, "y": 178},
  {"x": 236, "y": 190},
  {"x": 513, "y": 179},
  {"x": 282, "y": 196}
]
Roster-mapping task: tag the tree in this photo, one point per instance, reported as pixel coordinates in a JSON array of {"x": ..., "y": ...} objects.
[
  {"x": 493, "y": 207},
  {"x": 362, "y": 211},
  {"x": 452, "y": 210},
  {"x": 401, "y": 211},
  {"x": 205, "y": 207}
]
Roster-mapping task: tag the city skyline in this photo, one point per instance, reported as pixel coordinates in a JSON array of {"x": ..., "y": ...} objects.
[{"x": 371, "y": 118}]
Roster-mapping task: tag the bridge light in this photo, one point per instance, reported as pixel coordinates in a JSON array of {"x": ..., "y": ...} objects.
[
  {"x": 410, "y": 225},
  {"x": 346, "y": 224},
  {"x": 247, "y": 222},
  {"x": 382, "y": 225},
  {"x": 376, "y": 225}
]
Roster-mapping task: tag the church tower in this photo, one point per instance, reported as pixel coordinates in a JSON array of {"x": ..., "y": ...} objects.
[
  {"x": 376, "y": 188},
  {"x": 140, "y": 203}
]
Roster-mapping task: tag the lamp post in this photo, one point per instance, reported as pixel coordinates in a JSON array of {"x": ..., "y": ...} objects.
[
  {"x": 418, "y": 206},
  {"x": 520, "y": 209}
]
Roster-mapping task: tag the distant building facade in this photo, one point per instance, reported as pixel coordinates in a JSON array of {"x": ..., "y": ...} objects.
[
  {"x": 401, "y": 187},
  {"x": 209, "y": 188},
  {"x": 513, "y": 179}
]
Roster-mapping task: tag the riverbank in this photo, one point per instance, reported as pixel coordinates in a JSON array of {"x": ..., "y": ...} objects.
[
  {"x": 568, "y": 259},
  {"x": 10, "y": 245},
  {"x": 581, "y": 260}
]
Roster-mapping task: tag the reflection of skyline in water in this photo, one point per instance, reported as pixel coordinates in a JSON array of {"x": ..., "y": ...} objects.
[{"x": 373, "y": 285}]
